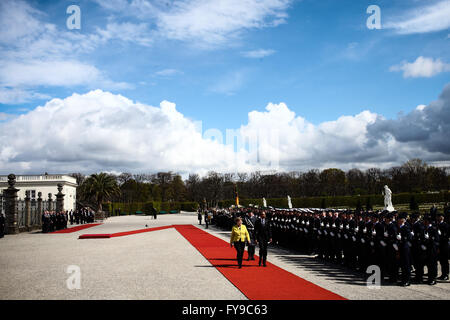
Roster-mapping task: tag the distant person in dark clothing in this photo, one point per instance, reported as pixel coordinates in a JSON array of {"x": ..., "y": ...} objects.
[
  {"x": 199, "y": 216},
  {"x": 2, "y": 225}
]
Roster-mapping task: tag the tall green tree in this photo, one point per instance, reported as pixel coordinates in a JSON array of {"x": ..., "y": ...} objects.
[{"x": 100, "y": 187}]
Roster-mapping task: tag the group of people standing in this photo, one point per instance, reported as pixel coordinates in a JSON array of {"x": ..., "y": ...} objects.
[
  {"x": 207, "y": 217},
  {"x": 53, "y": 221},
  {"x": 81, "y": 216},
  {"x": 398, "y": 243}
]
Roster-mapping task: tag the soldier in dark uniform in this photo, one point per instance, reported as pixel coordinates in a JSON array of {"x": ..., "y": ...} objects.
[
  {"x": 249, "y": 221},
  {"x": 352, "y": 223},
  {"x": 443, "y": 231},
  {"x": 392, "y": 248},
  {"x": 371, "y": 239},
  {"x": 432, "y": 243},
  {"x": 380, "y": 244},
  {"x": 418, "y": 249},
  {"x": 322, "y": 242},
  {"x": 263, "y": 235},
  {"x": 447, "y": 212},
  {"x": 362, "y": 240},
  {"x": 404, "y": 238},
  {"x": 2, "y": 224}
]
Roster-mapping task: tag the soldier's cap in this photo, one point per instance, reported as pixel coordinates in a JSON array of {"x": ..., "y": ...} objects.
[
  {"x": 403, "y": 215},
  {"x": 389, "y": 215},
  {"x": 439, "y": 214},
  {"x": 415, "y": 215}
]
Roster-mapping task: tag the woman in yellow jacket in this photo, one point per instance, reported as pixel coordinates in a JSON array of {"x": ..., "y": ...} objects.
[{"x": 239, "y": 235}]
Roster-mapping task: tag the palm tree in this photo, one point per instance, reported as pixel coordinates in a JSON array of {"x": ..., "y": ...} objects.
[{"x": 100, "y": 187}]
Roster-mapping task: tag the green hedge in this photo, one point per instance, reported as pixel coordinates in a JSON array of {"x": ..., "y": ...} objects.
[
  {"x": 343, "y": 201},
  {"x": 131, "y": 208}
]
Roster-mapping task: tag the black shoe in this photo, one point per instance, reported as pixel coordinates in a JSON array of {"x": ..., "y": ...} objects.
[
  {"x": 444, "y": 278},
  {"x": 432, "y": 282},
  {"x": 418, "y": 281},
  {"x": 264, "y": 265},
  {"x": 260, "y": 263},
  {"x": 405, "y": 284}
]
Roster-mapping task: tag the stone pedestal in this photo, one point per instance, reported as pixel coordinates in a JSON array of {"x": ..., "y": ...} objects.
[
  {"x": 60, "y": 199},
  {"x": 11, "y": 210},
  {"x": 40, "y": 210},
  {"x": 27, "y": 210},
  {"x": 49, "y": 202}
]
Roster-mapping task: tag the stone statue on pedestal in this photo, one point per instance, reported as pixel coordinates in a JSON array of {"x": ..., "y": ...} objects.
[
  {"x": 289, "y": 202},
  {"x": 388, "y": 199}
]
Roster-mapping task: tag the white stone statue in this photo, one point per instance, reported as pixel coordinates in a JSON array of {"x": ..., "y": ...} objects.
[
  {"x": 264, "y": 203},
  {"x": 388, "y": 199},
  {"x": 289, "y": 202}
]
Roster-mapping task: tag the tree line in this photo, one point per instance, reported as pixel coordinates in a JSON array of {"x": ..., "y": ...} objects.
[{"x": 414, "y": 176}]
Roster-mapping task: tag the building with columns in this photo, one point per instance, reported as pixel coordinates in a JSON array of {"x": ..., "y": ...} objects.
[{"x": 46, "y": 183}]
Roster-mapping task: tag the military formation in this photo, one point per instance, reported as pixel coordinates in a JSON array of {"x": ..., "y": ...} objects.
[
  {"x": 54, "y": 221},
  {"x": 401, "y": 245}
]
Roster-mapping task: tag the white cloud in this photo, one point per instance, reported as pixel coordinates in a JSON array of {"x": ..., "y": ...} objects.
[
  {"x": 206, "y": 23},
  {"x": 229, "y": 83},
  {"x": 16, "y": 96},
  {"x": 139, "y": 33},
  {"x": 103, "y": 131},
  {"x": 260, "y": 53},
  {"x": 422, "y": 67},
  {"x": 431, "y": 18},
  {"x": 215, "y": 22},
  {"x": 168, "y": 72},
  {"x": 36, "y": 53}
]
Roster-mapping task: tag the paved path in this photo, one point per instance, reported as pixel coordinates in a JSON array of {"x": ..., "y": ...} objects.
[{"x": 155, "y": 265}]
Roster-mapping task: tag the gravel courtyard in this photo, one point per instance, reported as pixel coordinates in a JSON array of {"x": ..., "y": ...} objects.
[{"x": 156, "y": 265}]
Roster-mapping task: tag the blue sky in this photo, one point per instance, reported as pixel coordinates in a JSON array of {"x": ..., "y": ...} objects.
[{"x": 317, "y": 57}]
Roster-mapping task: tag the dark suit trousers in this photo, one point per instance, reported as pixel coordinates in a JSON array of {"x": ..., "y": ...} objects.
[
  {"x": 263, "y": 250},
  {"x": 239, "y": 246}
]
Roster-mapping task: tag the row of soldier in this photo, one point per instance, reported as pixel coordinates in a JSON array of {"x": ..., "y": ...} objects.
[{"x": 392, "y": 241}]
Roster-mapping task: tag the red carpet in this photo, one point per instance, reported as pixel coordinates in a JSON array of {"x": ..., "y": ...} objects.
[
  {"x": 256, "y": 283},
  {"x": 77, "y": 228},
  {"x": 121, "y": 234}
]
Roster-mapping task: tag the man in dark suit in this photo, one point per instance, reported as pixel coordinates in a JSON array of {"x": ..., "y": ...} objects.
[{"x": 263, "y": 234}]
